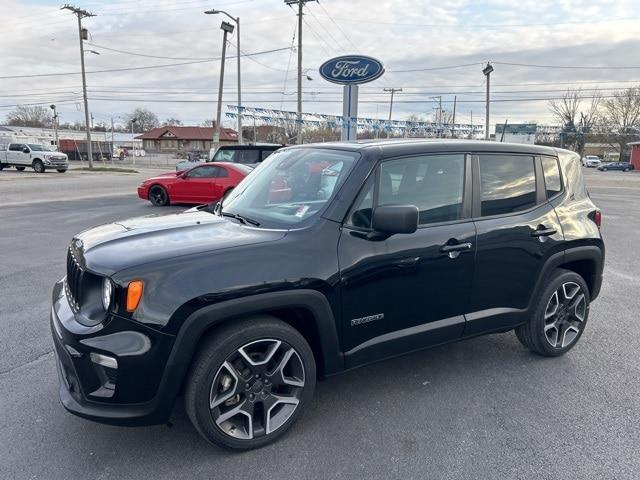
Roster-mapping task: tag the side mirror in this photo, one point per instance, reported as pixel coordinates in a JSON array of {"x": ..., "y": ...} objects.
[
  {"x": 26, "y": 150},
  {"x": 392, "y": 219}
]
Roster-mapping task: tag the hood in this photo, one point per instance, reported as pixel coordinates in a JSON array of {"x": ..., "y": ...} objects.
[
  {"x": 163, "y": 176},
  {"x": 109, "y": 248}
]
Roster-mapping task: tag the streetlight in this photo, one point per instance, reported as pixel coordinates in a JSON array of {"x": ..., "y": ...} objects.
[
  {"x": 55, "y": 124},
  {"x": 133, "y": 143},
  {"x": 237, "y": 20},
  {"x": 487, "y": 73},
  {"x": 227, "y": 28}
]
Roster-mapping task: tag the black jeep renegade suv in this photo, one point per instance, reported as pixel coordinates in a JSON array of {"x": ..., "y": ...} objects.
[{"x": 326, "y": 257}]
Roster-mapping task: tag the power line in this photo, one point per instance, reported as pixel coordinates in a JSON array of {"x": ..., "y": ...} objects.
[
  {"x": 128, "y": 69},
  {"x": 573, "y": 67}
]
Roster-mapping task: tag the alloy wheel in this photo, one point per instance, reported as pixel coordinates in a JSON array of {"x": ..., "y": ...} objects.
[
  {"x": 257, "y": 389},
  {"x": 565, "y": 314},
  {"x": 158, "y": 196}
]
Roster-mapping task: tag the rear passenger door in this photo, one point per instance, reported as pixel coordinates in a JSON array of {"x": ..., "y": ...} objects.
[
  {"x": 408, "y": 291},
  {"x": 517, "y": 231}
]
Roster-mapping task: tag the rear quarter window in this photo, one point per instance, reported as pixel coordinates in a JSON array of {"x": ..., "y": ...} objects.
[{"x": 552, "y": 181}]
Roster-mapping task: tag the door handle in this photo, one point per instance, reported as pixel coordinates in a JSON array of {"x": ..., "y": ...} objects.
[
  {"x": 458, "y": 247},
  {"x": 543, "y": 232}
]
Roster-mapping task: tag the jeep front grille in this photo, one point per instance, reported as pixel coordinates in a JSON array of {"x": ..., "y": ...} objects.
[{"x": 73, "y": 285}]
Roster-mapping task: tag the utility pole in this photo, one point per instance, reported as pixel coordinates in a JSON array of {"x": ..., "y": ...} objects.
[
  {"x": 393, "y": 91},
  {"x": 112, "y": 143},
  {"x": 471, "y": 134},
  {"x": 453, "y": 120},
  {"x": 487, "y": 73},
  {"x": 55, "y": 124},
  {"x": 80, "y": 13},
  {"x": 300, "y": 4}
]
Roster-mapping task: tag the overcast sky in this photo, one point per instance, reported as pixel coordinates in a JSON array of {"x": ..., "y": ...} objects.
[{"x": 38, "y": 38}]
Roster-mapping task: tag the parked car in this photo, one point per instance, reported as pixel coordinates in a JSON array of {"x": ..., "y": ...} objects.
[
  {"x": 404, "y": 245},
  {"x": 33, "y": 155},
  {"x": 206, "y": 183},
  {"x": 250, "y": 155},
  {"x": 624, "y": 166},
  {"x": 591, "y": 161}
]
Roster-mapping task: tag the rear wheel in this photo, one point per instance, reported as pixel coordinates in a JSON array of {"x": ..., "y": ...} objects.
[
  {"x": 625, "y": 169},
  {"x": 20, "y": 169},
  {"x": 560, "y": 315},
  {"x": 249, "y": 383},
  {"x": 2, "y": 165},
  {"x": 38, "y": 166},
  {"x": 158, "y": 196}
]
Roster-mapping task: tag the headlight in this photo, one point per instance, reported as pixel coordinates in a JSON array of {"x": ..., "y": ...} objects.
[{"x": 107, "y": 292}]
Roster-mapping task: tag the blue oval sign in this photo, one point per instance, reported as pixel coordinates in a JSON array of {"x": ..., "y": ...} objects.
[{"x": 351, "y": 69}]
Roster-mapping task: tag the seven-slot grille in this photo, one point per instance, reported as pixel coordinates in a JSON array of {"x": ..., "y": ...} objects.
[{"x": 73, "y": 284}]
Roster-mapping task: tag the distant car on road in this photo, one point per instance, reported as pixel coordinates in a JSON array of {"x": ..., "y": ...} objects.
[
  {"x": 33, "y": 155},
  {"x": 205, "y": 183},
  {"x": 591, "y": 161},
  {"x": 624, "y": 166}
]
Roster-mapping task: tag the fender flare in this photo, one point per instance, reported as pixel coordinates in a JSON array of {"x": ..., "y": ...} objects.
[
  {"x": 198, "y": 322},
  {"x": 573, "y": 254}
]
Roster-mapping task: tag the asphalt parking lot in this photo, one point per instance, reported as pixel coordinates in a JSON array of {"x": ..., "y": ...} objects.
[{"x": 483, "y": 408}]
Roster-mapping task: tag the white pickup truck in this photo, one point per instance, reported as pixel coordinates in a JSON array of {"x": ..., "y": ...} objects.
[{"x": 36, "y": 156}]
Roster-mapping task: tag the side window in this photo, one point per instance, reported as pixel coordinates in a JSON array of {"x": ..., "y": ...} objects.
[
  {"x": 508, "y": 183},
  {"x": 14, "y": 147},
  {"x": 220, "y": 172},
  {"x": 433, "y": 183},
  {"x": 265, "y": 153},
  {"x": 363, "y": 208},
  {"x": 247, "y": 156},
  {"x": 201, "y": 172},
  {"x": 552, "y": 182}
]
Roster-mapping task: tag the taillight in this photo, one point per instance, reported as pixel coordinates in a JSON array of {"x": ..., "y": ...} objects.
[{"x": 596, "y": 216}]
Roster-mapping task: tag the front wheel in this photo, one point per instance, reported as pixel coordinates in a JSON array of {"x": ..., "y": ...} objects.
[
  {"x": 61, "y": 170},
  {"x": 158, "y": 196},
  {"x": 249, "y": 383},
  {"x": 625, "y": 169},
  {"x": 559, "y": 317},
  {"x": 38, "y": 166},
  {"x": 604, "y": 169}
]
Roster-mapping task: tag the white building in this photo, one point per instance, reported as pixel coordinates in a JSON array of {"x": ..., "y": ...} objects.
[{"x": 517, "y": 133}]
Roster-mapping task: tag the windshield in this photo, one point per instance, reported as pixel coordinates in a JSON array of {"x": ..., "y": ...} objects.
[
  {"x": 38, "y": 148},
  {"x": 290, "y": 186}
]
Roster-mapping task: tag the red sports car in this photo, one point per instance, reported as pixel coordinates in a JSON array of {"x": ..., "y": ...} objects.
[{"x": 205, "y": 183}]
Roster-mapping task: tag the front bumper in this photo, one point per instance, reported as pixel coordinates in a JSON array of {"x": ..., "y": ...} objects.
[
  {"x": 56, "y": 164},
  {"x": 143, "y": 193},
  {"x": 136, "y": 392}
]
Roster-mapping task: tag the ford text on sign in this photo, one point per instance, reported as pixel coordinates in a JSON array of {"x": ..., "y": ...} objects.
[{"x": 351, "y": 69}]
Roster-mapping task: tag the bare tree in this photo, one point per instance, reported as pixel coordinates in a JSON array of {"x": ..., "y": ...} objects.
[
  {"x": 144, "y": 120},
  {"x": 30, "y": 116},
  {"x": 565, "y": 110},
  {"x": 621, "y": 117},
  {"x": 172, "y": 122}
]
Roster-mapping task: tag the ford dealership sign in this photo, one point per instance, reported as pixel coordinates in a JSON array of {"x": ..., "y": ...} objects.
[{"x": 351, "y": 69}]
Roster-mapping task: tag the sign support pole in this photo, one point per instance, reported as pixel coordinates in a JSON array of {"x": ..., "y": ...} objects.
[{"x": 349, "y": 113}]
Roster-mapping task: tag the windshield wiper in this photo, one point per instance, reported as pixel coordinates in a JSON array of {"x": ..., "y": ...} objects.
[{"x": 241, "y": 218}]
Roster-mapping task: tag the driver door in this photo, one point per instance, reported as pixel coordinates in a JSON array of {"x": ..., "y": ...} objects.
[{"x": 408, "y": 291}]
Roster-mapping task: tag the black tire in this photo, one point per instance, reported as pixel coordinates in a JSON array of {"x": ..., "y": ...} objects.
[
  {"x": 625, "y": 169},
  {"x": 2, "y": 165},
  {"x": 539, "y": 332},
  {"x": 61, "y": 170},
  {"x": 158, "y": 196},
  {"x": 38, "y": 166},
  {"x": 604, "y": 169},
  {"x": 222, "y": 349},
  {"x": 20, "y": 169}
]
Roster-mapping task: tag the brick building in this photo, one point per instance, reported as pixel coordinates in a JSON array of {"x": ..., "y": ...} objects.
[{"x": 186, "y": 139}]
